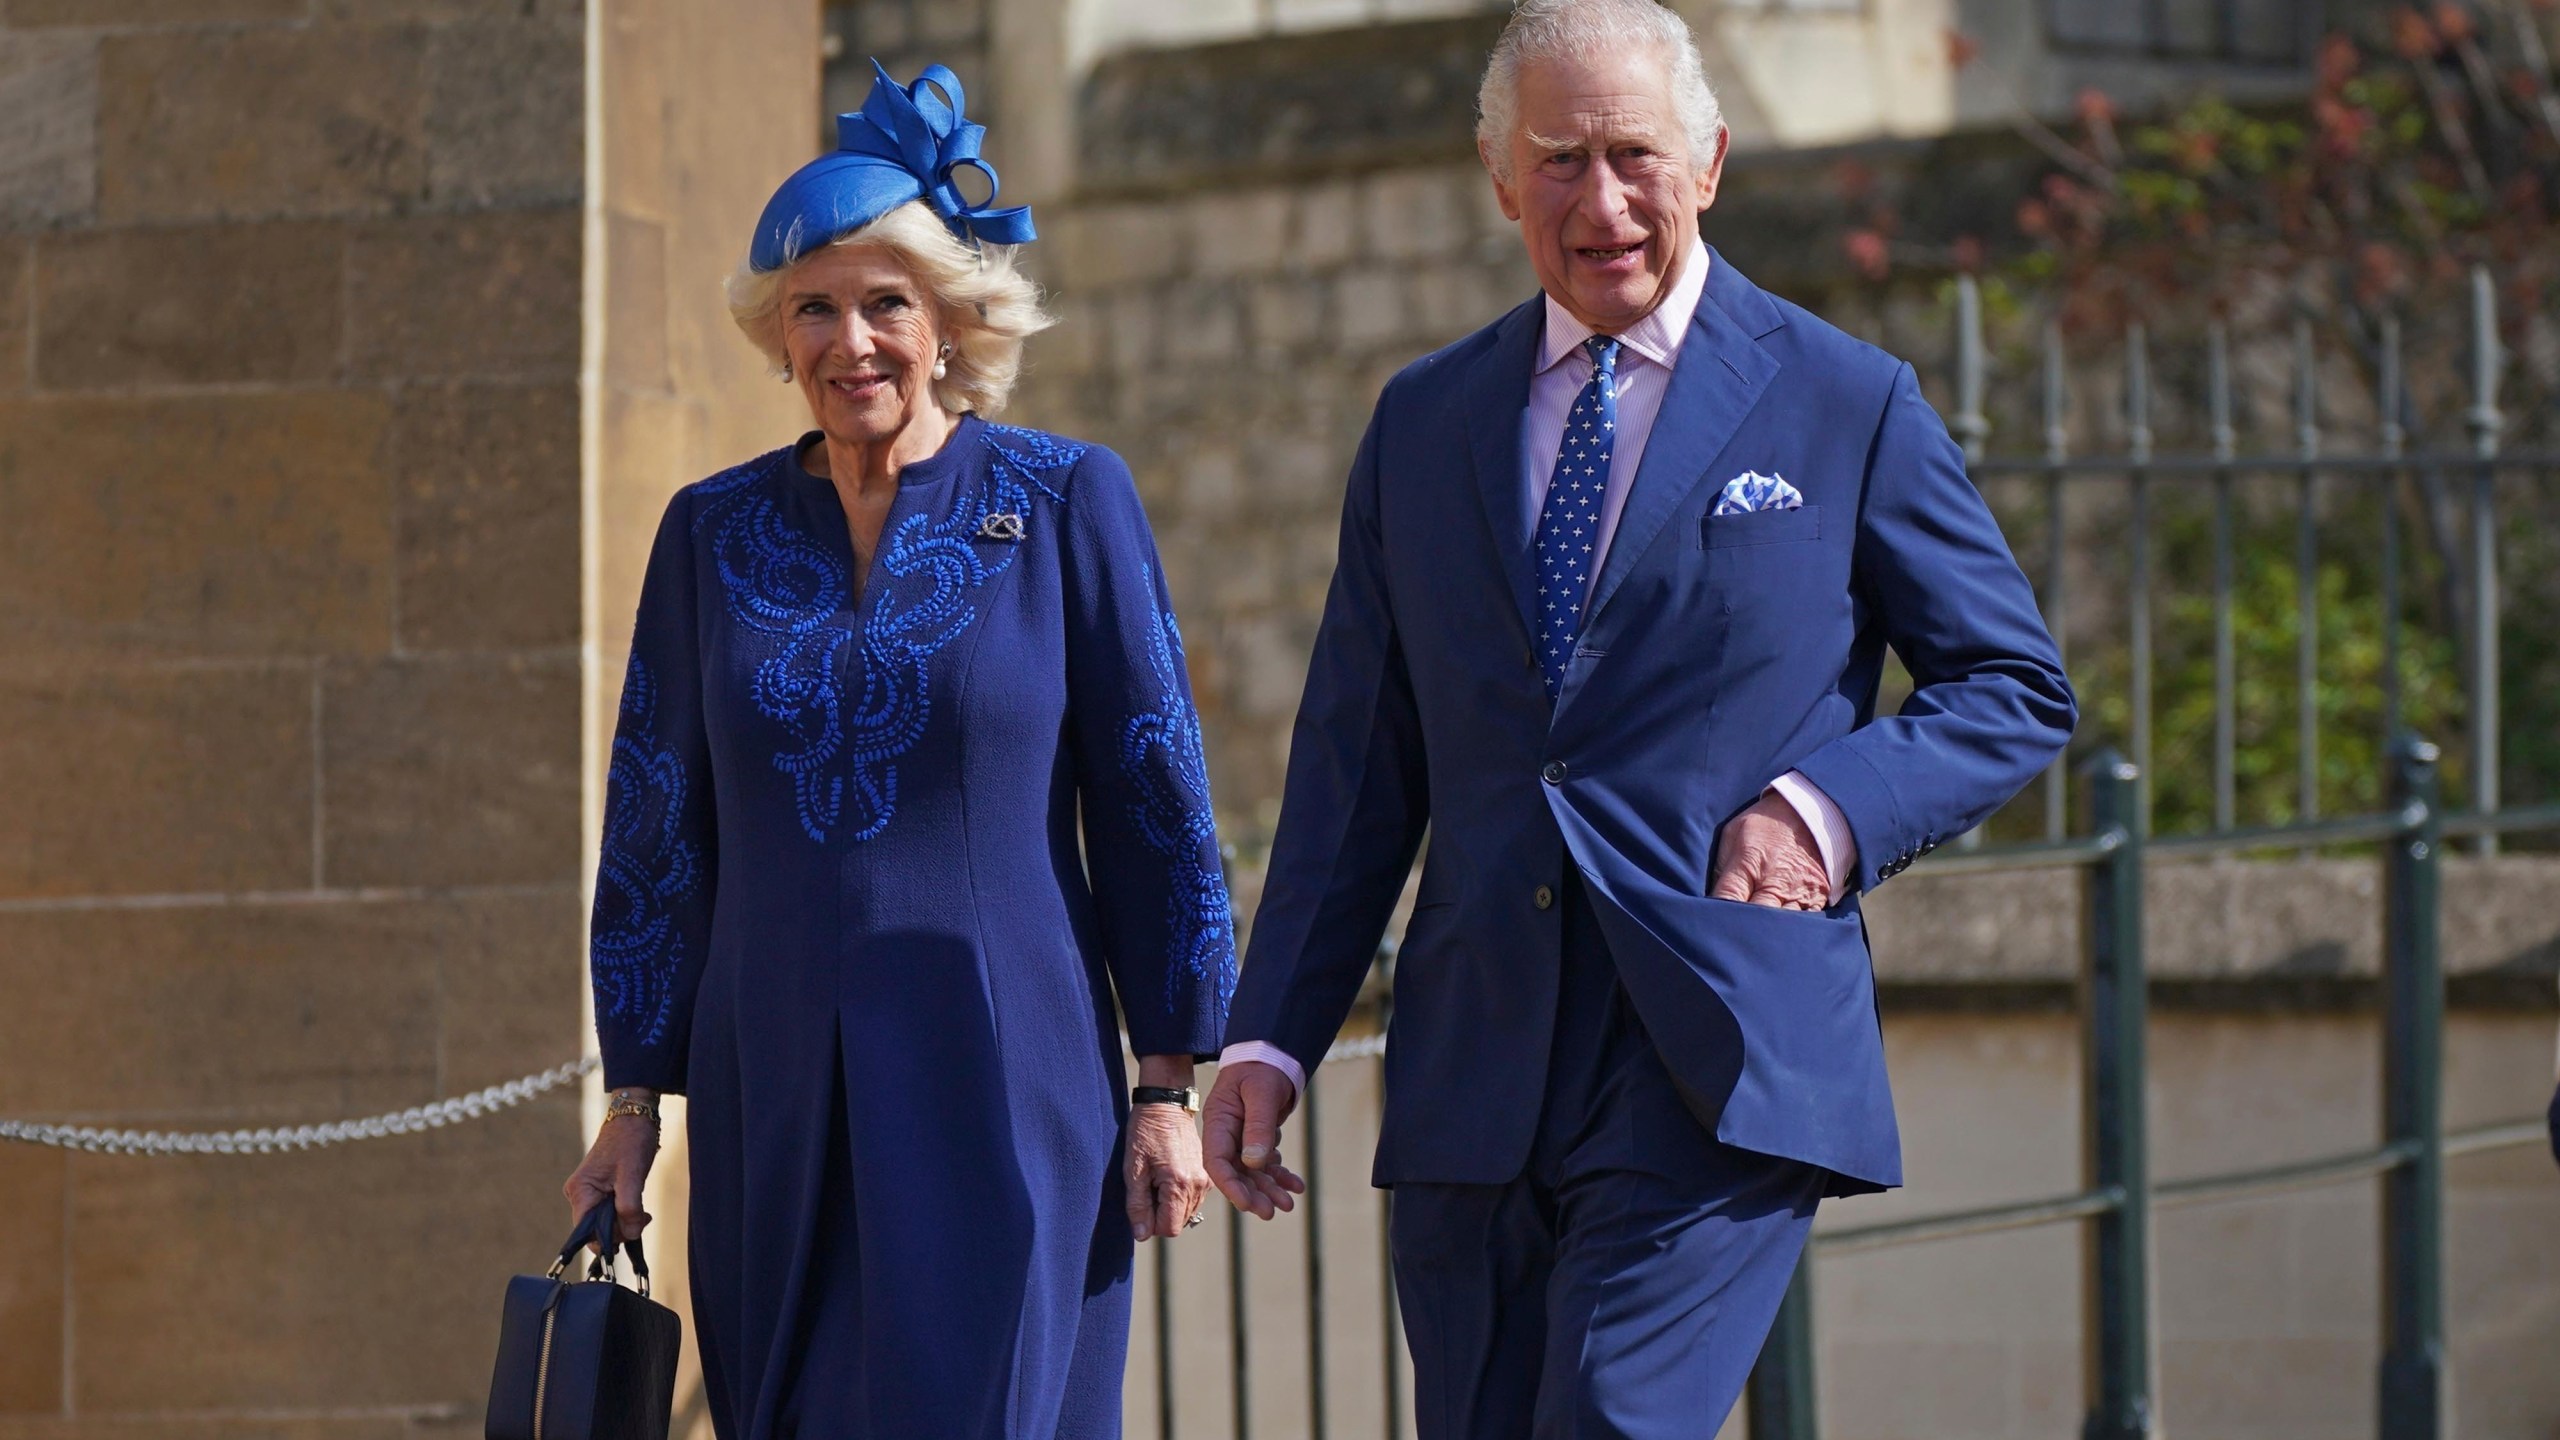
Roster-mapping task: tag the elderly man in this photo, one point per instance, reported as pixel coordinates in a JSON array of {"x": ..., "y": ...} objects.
[{"x": 1616, "y": 579}]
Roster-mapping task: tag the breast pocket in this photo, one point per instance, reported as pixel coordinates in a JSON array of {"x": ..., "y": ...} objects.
[{"x": 1761, "y": 527}]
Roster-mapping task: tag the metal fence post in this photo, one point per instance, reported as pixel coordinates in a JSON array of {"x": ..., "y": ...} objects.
[
  {"x": 1972, "y": 428},
  {"x": 2226, "y": 684},
  {"x": 1781, "y": 1388},
  {"x": 2137, "y": 425},
  {"x": 2412, "y": 1380},
  {"x": 1311, "y": 1170},
  {"x": 2306, "y": 572},
  {"x": 2114, "y": 1006},
  {"x": 1164, "y": 1343},
  {"x": 2484, "y": 421},
  {"x": 2057, "y": 447},
  {"x": 2394, "y": 438},
  {"x": 1239, "y": 1333}
]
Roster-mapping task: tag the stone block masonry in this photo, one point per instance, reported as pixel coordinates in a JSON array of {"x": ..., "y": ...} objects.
[
  {"x": 1229, "y": 340},
  {"x": 319, "y": 540},
  {"x": 289, "y": 692}
]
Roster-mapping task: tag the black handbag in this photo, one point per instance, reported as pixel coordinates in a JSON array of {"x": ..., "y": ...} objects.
[{"x": 585, "y": 1359}]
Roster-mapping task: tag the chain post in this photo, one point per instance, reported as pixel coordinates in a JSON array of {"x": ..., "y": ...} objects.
[
  {"x": 1781, "y": 1386},
  {"x": 2114, "y": 1004},
  {"x": 2412, "y": 1373}
]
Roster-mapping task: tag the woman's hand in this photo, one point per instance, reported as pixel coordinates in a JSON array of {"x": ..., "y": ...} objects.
[
  {"x": 616, "y": 1168},
  {"x": 1167, "y": 1182}
]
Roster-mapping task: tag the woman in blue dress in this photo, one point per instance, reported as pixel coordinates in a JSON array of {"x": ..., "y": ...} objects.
[{"x": 906, "y": 793}]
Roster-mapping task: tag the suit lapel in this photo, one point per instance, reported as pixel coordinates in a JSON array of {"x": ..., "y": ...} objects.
[
  {"x": 1721, "y": 374},
  {"x": 1498, "y": 396}
]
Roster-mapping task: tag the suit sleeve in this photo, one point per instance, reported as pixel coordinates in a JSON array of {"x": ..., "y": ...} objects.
[
  {"x": 1150, "y": 837},
  {"x": 1990, "y": 705},
  {"x": 1354, "y": 806},
  {"x": 655, "y": 867}
]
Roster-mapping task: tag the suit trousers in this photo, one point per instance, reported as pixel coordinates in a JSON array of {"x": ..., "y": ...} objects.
[{"x": 1622, "y": 1284}]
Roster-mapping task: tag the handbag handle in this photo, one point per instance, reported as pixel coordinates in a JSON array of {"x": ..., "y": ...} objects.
[{"x": 598, "y": 1229}]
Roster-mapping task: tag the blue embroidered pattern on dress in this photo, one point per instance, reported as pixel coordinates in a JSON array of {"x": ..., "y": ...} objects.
[
  {"x": 853, "y": 701},
  {"x": 648, "y": 867},
  {"x": 1168, "y": 768}
]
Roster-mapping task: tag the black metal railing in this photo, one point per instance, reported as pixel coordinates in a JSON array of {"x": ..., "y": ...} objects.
[
  {"x": 2117, "y": 1198},
  {"x": 2379, "y": 467}
]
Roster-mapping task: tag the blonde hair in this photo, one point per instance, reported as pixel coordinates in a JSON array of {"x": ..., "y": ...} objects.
[
  {"x": 1578, "y": 30},
  {"x": 986, "y": 307}
]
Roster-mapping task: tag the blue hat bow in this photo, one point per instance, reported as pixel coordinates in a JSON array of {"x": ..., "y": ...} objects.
[{"x": 907, "y": 142}]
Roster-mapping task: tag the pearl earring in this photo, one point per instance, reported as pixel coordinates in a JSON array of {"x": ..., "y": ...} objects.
[
  {"x": 786, "y": 370},
  {"x": 941, "y": 363}
]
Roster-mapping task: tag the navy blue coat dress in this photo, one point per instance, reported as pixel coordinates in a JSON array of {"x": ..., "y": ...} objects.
[{"x": 875, "y": 867}]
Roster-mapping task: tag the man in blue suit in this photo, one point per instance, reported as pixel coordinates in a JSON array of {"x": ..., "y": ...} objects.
[{"x": 1616, "y": 580}]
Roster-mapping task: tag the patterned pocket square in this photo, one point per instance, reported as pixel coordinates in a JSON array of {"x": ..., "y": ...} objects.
[{"x": 1751, "y": 492}]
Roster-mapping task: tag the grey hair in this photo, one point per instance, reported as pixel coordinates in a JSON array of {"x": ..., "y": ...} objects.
[
  {"x": 983, "y": 304},
  {"x": 1580, "y": 29}
]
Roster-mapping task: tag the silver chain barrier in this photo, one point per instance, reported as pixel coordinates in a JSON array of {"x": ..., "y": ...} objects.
[
  {"x": 453, "y": 1111},
  {"x": 300, "y": 1137},
  {"x": 1366, "y": 1047}
]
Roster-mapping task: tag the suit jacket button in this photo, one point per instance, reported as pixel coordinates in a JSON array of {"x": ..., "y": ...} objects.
[
  {"x": 1554, "y": 773},
  {"x": 1545, "y": 898}
]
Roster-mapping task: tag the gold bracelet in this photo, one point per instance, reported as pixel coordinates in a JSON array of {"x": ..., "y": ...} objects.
[{"x": 632, "y": 1105}]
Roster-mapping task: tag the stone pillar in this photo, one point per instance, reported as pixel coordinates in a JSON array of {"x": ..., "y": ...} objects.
[
  {"x": 348, "y": 350},
  {"x": 700, "y": 111}
]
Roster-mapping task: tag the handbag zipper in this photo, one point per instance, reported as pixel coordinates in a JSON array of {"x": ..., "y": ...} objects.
[{"x": 542, "y": 1366}]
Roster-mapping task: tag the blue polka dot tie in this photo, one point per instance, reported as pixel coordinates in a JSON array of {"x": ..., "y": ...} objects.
[{"x": 1569, "y": 523}]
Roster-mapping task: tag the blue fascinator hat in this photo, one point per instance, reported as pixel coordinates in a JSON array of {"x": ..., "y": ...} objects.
[{"x": 905, "y": 143}]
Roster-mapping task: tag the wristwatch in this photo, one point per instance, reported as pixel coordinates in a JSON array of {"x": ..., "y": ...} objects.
[{"x": 1165, "y": 1095}]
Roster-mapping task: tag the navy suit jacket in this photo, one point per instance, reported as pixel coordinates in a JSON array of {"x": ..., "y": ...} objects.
[{"x": 1717, "y": 653}]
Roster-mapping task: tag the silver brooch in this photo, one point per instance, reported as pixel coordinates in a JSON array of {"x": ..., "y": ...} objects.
[{"x": 1006, "y": 526}]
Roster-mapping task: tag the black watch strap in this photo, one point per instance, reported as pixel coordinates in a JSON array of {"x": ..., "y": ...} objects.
[{"x": 1164, "y": 1095}]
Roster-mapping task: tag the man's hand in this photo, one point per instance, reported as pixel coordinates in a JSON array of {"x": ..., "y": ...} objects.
[
  {"x": 1766, "y": 856},
  {"x": 1241, "y": 1123}
]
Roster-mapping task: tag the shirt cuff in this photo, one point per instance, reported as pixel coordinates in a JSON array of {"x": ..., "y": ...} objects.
[
  {"x": 1830, "y": 828},
  {"x": 1269, "y": 1054}
]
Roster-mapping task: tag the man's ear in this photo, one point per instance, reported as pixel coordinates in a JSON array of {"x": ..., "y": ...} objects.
[
  {"x": 1502, "y": 195},
  {"x": 1713, "y": 176}
]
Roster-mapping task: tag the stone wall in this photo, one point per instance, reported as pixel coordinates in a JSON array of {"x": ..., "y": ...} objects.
[
  {"x": 1230, "y": 344},
  {"x": 344, "y": 368},
  {"x": 289, "y": 678}
]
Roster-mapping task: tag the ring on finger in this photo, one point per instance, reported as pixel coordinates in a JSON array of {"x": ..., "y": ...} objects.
[{"x": 1193, "y": 1222}]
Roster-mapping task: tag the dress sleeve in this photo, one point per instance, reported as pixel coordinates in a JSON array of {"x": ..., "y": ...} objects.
[
  {"x": 1150, "y": 838},
  {"x": 652, "y": 923}
]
